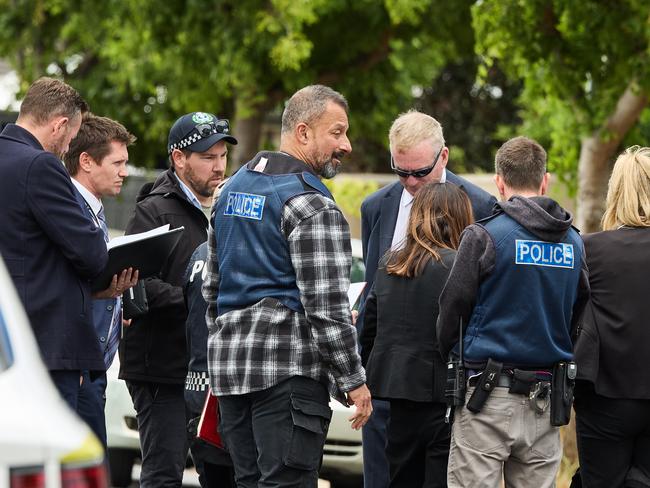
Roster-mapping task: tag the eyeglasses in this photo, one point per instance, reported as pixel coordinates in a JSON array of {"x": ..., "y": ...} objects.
[
  {"x": 221, "y": 126},
  {"x": 418, "y": 173}
]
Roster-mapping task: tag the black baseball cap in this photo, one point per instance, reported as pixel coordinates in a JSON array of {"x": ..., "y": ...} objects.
[{"x": 198, "y": 132}]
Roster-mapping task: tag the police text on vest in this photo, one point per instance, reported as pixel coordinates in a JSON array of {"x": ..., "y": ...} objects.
[
  {"x": 539, "y": 253},
  {"x": 245, "y": 205}
]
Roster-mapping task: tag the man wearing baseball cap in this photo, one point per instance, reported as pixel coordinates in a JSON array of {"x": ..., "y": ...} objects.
[{"x": 153, "y": 352}]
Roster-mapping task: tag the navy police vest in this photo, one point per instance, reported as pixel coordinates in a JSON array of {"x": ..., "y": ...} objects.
[
  {"x": 252, "y": 252},
  {"x": 523, "y": 310}
]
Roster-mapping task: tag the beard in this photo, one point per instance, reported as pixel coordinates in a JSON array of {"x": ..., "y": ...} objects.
[
  {"x": 327, "y": 168},
  {"x": 203, "y": 188}
]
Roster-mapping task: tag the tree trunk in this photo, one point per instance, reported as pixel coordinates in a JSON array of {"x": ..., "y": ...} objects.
[
  {"x": 596, "y": 156},
  {"x": 248, "y": 131}
]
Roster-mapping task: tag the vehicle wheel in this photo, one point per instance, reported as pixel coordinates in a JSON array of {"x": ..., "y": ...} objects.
[{"x": 120, "y": 462}]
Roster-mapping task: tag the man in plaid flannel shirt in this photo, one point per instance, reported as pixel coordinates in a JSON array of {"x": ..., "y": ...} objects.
[{"x": 281, "y": 335}]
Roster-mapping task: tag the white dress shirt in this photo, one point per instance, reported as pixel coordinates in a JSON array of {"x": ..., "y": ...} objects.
[
  {"x": 399, "y": 234},
  {"x": 93, "y": 202}
]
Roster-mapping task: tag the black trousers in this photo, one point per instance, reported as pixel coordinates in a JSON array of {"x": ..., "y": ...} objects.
[
  {"x": 418, "y": 444},
  {"x": 160, "y": 410},
  {"x": 212, "y": 464},
  {"x": 613, "y": 439},
  {"x": 276, "y": 436}
]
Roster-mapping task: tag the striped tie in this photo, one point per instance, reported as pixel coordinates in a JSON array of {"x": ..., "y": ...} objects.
[{"x": 116, "y": 320}]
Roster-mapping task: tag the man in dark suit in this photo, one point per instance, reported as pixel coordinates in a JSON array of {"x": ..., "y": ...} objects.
[
  {"x": 97, "y": 161},
  {"x": 52, "y": 250},
  {"x": 418, "y": 156}
]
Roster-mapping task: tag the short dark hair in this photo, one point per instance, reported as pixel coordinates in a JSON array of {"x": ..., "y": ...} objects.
[
  {"x": 308, "y": 104},
  {"x": 47, "y": 98},
  {"x": 521, "y": 162},
  {"x": 186, "y": 152},
  {"x": 94, "y": 137}
]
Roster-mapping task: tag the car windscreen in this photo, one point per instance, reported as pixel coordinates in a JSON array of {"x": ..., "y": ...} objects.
[{"x": 6, "y": 354}]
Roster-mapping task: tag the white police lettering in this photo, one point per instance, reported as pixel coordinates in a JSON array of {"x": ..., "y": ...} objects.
[
  {"x": 198, "y": 266},
  {"x": 245, "y": 205},
  {"x": 539, "y": 253}
]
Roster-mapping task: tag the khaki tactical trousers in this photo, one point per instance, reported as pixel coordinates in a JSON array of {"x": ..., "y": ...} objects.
[{"x": 507, "y": 440}]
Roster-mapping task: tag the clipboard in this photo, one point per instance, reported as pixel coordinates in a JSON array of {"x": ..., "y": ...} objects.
[{"x": 147, "y": 252}]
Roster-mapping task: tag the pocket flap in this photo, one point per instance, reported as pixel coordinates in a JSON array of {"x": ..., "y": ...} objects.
[
  {"x": 310, "y": 415},
  {"x": 310, "y": 407}
]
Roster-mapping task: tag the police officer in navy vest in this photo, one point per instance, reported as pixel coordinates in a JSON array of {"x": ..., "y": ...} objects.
[
  {"x": 212, "y": 463},
  {"x": 519, "y": 285},
  {"x": 281, "y": 335}
]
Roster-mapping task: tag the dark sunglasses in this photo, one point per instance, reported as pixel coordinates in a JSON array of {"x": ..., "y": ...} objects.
[
  {"x": 221, "y": 126},
  {"x": 418, "y": 173}
]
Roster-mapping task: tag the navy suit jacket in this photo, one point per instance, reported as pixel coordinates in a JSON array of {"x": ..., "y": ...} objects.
[
  {"x": 379, "y": 216},
  {"x": 102, "y": 307},
  {"x": 51, "y": 249}
]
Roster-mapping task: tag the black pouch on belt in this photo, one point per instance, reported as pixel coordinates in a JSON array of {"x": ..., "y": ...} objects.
[
  {"x": 522, "y": 381},
  {"x": 562, "y": 383},
  {"x": 486, "y": 383}
]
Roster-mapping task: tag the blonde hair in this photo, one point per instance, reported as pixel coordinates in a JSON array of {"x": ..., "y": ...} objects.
[
  {"x": 413, "y": 127},
  {"x": 628, "y": 194}
]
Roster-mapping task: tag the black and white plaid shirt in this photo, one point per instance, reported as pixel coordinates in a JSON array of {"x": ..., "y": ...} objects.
[{"x": 256, "y": 347}]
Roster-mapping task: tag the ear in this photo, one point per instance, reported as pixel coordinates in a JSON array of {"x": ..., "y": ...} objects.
[
  {"x": 179, "y": 159},
  {"x": 60, "y": 124},
  {"x": 501, "y": 186},
  {"x": 302, "y": 133},
  {"x": 544, "y": 186},
  {"x": 85, "y": 162},
  {"x": 444, "y": 157}
]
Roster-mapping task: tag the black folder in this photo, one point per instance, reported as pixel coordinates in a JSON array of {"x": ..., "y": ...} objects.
[{"x": 147, "y": 255}]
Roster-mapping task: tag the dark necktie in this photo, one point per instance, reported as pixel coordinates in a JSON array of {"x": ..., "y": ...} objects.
[{"x": 113, "y": 339}]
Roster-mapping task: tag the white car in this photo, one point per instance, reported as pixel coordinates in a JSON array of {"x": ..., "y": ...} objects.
[
  {"x": 43, "y": 444},
  {"x": 342, "y": 456}
]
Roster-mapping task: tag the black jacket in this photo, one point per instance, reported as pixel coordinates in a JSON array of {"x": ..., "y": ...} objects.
[
  {"x": 51, "y": 249},
  {"x": 614, "y": 344},
  {"x": 153, "y": 347},
  {"x": 399, "y": 336}
]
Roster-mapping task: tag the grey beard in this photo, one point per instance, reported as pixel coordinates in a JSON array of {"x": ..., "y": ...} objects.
[{"x": 329, "y": 171}]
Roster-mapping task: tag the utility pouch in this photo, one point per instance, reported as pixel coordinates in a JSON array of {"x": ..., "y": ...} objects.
[
  {"x": 486, "y": 383},
  {"x": 522, "y": 382},
  {"x": 562, "y": 384},
  {"x": 134, "y": 301}
]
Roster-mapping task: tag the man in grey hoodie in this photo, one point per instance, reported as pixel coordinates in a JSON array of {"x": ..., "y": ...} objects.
[{"x": 519, "y": 285}]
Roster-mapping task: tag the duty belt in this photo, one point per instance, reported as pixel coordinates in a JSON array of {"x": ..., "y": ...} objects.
[{"x": 535, "y": 385}]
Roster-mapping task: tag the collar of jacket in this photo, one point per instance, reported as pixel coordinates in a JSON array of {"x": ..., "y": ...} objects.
[{"x": 167, "y": 186}]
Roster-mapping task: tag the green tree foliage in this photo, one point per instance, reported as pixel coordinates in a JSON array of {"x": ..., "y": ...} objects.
[
  {"x": 576, "y": 59},
  {"x": 350, "y": 193},
  {"x": 145, "y": 62},
  {"x": 477, "y": 117}
]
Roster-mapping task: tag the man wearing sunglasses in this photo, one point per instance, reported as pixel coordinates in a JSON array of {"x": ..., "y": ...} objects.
[
  {"x": 417, "y": 156},
  {"x": 153, "y": 352}
]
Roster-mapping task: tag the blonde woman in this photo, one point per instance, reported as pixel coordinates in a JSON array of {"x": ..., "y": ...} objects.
[
  {"x": 404, "y": 365},
  {"x": 612, "y": 398}
]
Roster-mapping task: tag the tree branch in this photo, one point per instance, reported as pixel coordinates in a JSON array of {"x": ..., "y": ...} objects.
[{"x": 597, "y": 151}]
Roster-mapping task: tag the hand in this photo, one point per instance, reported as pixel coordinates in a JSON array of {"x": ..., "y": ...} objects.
[
  {"x": 360, "y": 397},
  {"x": 126, "y": 322},
  {"x": 355, "y": 316},
  {"x": 119, "y": 284}
]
